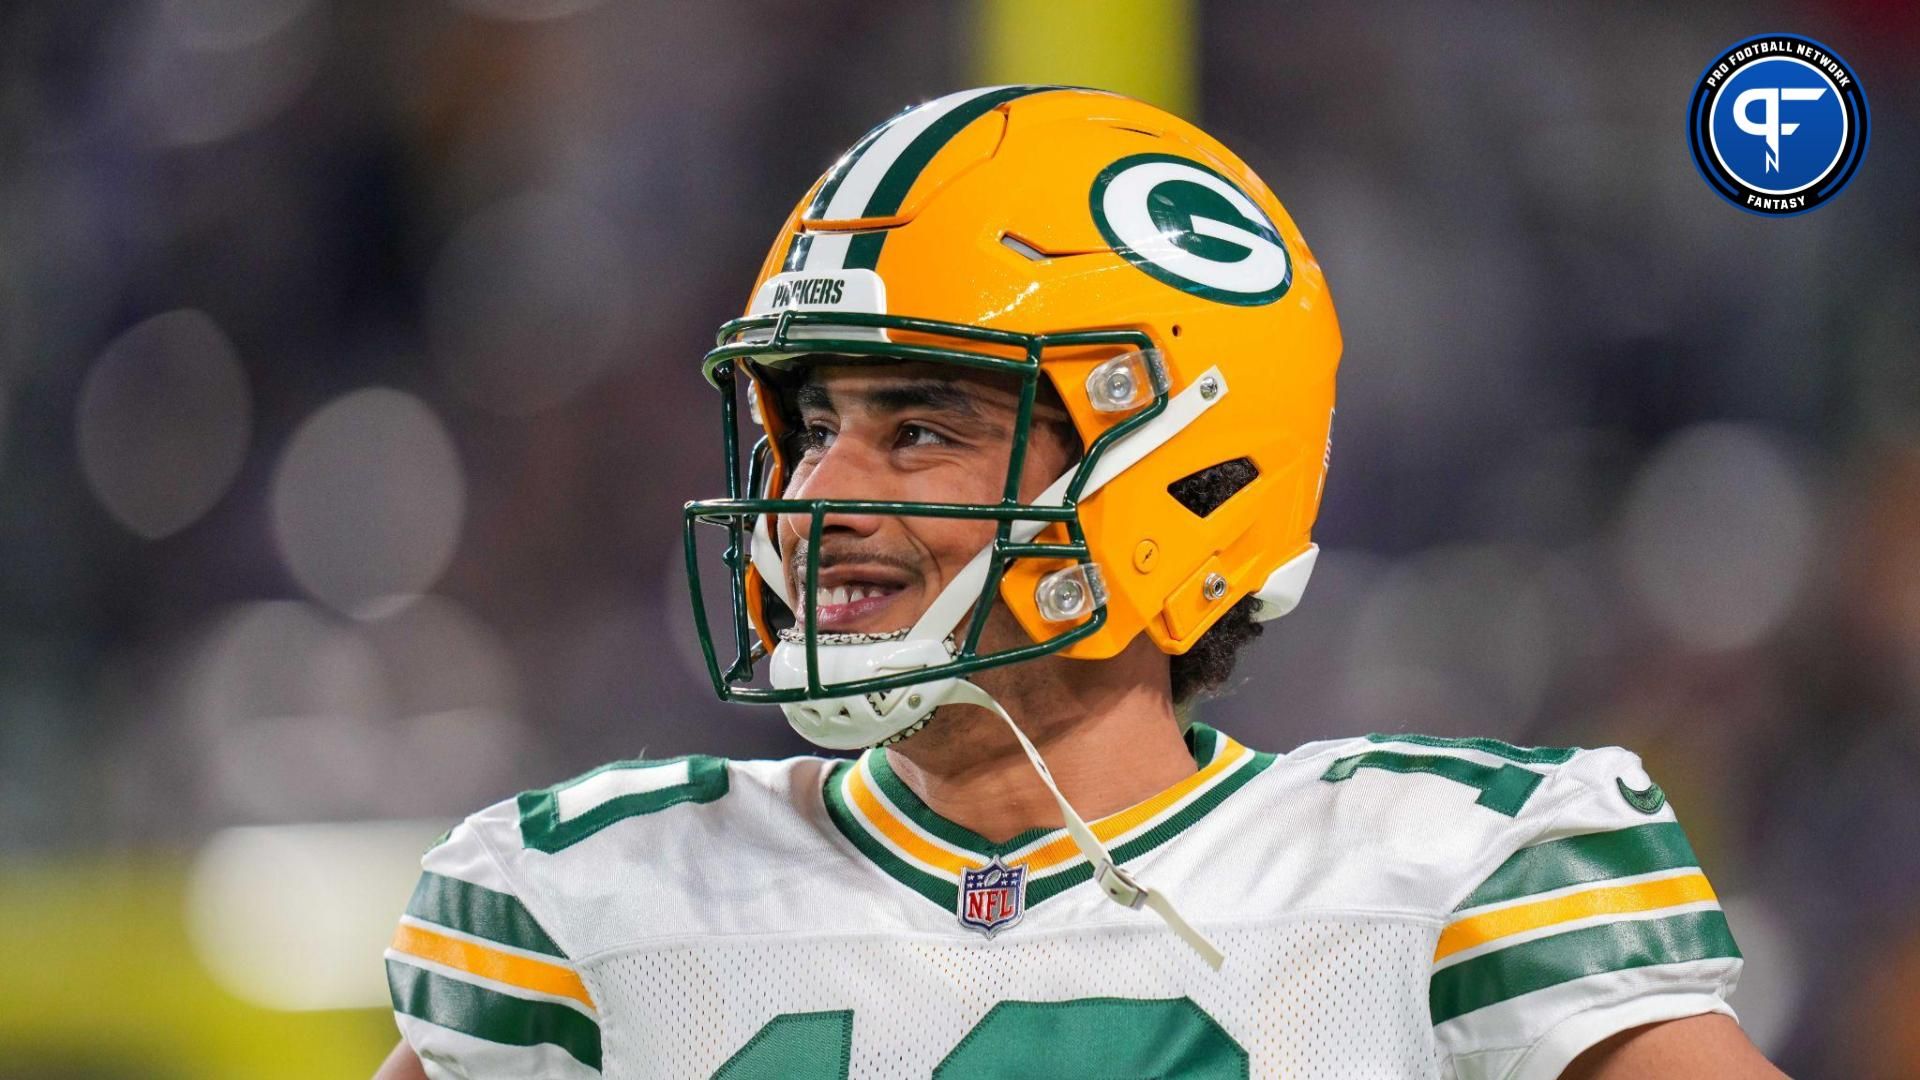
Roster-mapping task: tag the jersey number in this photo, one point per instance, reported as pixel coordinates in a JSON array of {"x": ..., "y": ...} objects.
[
  {"x": 1504, "y": 789},
  {"x": 556, "y": 818},
  {"x": 1110, "y": 1039}
]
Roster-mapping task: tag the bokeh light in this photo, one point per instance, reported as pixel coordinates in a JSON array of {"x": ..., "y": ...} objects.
[
  {"x": 285, "y": 916},
  {"x": 1454, "y": 638},
  {"x": 302, "y": 714},
  {"x": 286, "y": 704},
  {"x": 1718, "y": 535},
  {"x": 457, "y": 738},
  {"x": 200, "y": 71},
  {"x": 368, "y": 501},
  {"x": 164, "y": 422}
]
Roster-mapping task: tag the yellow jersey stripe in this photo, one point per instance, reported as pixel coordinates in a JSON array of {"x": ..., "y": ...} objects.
[
  {"x": 897, "y": 831},
  {"x": 1062, "y": 849},
  {"x": 1601, "y": 900},
  {"x": 501, "y": 967}
]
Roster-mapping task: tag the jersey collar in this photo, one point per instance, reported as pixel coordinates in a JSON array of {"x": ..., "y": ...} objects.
[{"x": 881, "y": 816}]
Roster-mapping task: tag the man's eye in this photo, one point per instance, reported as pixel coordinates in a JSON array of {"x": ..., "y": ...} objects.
[
  {"x": 814, "y": 438},
  {"x": 917, "y": 435}
]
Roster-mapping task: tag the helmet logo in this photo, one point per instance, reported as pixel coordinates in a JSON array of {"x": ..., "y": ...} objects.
[{"x": 1191, "y": 228}]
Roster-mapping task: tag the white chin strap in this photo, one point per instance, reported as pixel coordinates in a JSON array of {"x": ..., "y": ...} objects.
[{"x": 1119, "y": 886}]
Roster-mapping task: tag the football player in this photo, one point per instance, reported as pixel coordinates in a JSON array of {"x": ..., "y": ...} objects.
[{"x": 1045, "y": 377}]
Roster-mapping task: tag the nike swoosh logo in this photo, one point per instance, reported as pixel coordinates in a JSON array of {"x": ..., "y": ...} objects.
[{"x": 1648, "y": 800}]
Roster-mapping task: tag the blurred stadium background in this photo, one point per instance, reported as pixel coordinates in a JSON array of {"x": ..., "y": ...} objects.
[{"x": 348, "y": 398}]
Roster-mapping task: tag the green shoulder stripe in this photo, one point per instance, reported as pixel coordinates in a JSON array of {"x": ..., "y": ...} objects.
[
  {"x": 1524, "y": 755},
  {"x": 1578, "y": 860},
  {"x": 471, "y": 909},
  {"x": 1550, "y": 961},
  {"x": 495, "y": 1017},
  {"x": 695, "y": 778},
  {"x": 1503, "y": 790}
]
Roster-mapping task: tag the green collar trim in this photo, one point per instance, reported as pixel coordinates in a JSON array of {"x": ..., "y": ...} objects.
[{"x": 943, "y": 890}]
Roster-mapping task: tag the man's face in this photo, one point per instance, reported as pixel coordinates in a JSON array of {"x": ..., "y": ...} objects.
[{"x": 909, "y": 433}]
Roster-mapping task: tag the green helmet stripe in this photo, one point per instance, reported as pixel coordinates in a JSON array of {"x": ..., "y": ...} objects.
[
  {"x": 836, "y": 175},
  {"x": 864, "y": 251}
]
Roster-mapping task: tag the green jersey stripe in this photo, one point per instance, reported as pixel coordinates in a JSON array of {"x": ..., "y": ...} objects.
[
  {"x": 1578, "y": 860},
  {"x": 1524, "y": 755},
  {"x": 487, "y": 1014},
  {"x": 847, "y": 820},
  {"x": 1536, "y": 965},
  {"x": 469, "y": 908},
  {"x": 1204, "y": 742},
  {"x": 1041, "y": 888},
  {"x": 863, "y": 253}
]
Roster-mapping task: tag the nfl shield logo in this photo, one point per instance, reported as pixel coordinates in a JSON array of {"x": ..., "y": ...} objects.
[{"x": 993, "y": 897}]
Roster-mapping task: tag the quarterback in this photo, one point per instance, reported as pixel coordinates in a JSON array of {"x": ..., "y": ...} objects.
[{"x": 1043, "y": 380}]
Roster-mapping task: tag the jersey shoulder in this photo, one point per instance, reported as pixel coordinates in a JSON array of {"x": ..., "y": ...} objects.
[
  {"x": 1571, "y": 904},
  {"x": 489, "y": 969},
  {"x": 653, "y": 849},
  {"x": 1421, "y": 822}
]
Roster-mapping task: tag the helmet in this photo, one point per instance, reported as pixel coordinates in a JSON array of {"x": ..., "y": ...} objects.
[{"x": 1055, "y": 233}]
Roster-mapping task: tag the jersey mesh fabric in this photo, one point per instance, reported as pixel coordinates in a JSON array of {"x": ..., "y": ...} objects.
[{"x": 1315, "y": 998}]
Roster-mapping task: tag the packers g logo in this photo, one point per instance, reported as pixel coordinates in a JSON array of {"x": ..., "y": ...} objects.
[{"x": 1191, "y": 228}]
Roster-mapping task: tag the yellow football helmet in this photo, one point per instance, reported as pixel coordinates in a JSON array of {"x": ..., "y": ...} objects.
[{"x": 1074, "y": 235}]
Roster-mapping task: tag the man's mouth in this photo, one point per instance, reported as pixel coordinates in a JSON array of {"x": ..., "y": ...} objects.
[{"x": 854, "y": 606}]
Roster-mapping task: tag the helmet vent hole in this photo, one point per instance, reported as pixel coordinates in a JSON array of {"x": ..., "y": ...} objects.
[
  {"x": 1015, "y": 244},
  {"x": 1207, "y": 490},
  {"x": 1176, "y": 329}
]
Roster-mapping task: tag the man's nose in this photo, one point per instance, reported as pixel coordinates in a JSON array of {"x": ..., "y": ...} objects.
[{"x": 846, "y": 470}]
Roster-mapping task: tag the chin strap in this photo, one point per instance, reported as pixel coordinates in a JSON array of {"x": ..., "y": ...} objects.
[{"x": 1119, "y": 886}]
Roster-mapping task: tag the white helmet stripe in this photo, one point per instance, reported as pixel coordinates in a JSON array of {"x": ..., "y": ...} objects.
[{"x": 828, "y": 251}]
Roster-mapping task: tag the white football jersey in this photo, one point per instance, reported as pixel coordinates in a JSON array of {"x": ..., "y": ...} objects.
[{"x": 1389, "y": 906}]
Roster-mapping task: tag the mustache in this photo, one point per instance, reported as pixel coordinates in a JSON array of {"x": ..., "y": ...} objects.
[{"x": 832, "y": 553}]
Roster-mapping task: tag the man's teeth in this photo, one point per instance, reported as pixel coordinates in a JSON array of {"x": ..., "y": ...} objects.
[{"x": 843, "y": 594}]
